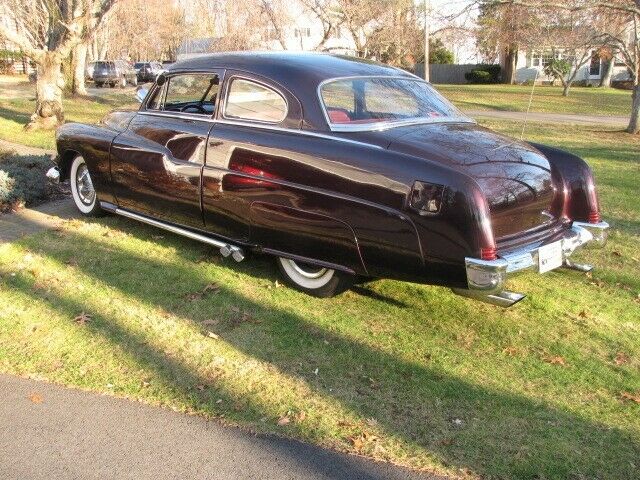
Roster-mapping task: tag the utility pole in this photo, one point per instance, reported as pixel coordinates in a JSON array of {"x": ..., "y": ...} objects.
[{"x": 427, "y": 32}]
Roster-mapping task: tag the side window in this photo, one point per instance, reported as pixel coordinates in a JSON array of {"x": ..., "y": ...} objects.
[
  {"x": 191, "y": 93},
  {"x": 249, "y": 100}
]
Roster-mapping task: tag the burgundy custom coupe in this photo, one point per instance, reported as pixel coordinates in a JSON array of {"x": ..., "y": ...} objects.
[{"x": 340, "y": 168}]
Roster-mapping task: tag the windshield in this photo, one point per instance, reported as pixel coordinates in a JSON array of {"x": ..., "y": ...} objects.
[{"x": 367, "y": 103}]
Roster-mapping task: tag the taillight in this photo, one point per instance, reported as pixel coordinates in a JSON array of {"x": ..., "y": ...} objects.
[
  {"x": 594, "y": 216},
  {"x": 426, "y": 198},
  {"x": 488, "y": 253}
]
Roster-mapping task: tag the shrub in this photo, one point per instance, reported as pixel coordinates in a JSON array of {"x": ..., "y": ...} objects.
[
  {"x": 484, "y": 74},
  {"x": 23, "y": 180}
]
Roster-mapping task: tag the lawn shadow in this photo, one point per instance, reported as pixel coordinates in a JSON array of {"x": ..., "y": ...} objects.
[{"x": 433, "y": 412}]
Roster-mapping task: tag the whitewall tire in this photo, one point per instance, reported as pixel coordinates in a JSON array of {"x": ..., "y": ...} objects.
[
  {"x": 312, "y": 279},
  {"x": 82, "y": 190}
]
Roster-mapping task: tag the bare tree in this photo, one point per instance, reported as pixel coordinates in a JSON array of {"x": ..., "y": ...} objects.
[
  {"x": 627, "y": 42},
  {"x": 47, "y": 32}
]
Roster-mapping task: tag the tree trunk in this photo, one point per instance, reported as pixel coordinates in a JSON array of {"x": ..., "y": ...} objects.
[
  {"x": 510, "y": 60},
  {"x": 565, "y": 89},
  {"x": 634, "y": 120},
  {"x": 605, "y": 81},
  {"x": 49, "y": 85},
  {"x": 78, "y": 67}
]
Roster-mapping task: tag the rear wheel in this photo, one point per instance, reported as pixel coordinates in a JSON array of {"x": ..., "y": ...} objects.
[
  {"x": 312, "y": 279},
  {"x": 84, "y": 195}
]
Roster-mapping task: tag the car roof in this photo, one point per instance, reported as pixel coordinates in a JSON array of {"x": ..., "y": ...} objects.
[
  {"x": 298, "y": 72},
  {"x": 285, "y": 67}
]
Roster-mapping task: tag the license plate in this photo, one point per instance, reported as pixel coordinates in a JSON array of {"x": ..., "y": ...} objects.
[{"x": 550, "y": 257}]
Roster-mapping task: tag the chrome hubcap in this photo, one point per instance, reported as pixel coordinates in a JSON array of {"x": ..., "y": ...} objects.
[
  {"x": 84, "y": 185},
  {"x": 308, "y": 271}
]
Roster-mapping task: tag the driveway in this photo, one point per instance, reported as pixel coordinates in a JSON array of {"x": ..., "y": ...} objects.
[
  {"x": 551, "y": 118},
  {"x": 47, "y": 431}
]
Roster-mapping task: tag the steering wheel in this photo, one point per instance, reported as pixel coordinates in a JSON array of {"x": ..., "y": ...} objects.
[{"x": 196, "y": 106}]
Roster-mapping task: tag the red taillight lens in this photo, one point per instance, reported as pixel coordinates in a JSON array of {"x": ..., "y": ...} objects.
[
  {"x": 488, "y": 253},
  {"x": 594, "y": 217}
]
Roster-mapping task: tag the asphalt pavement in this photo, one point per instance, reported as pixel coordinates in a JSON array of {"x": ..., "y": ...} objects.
[{"x": 51, "y": 432}]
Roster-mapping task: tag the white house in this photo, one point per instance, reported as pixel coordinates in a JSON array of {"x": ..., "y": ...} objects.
[{"x": 531, "y": 64}]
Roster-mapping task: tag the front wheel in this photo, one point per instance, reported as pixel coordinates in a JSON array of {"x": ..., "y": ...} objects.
[
  {"x": 312, "y": 279},
  {"x": 82, "y": 191}
]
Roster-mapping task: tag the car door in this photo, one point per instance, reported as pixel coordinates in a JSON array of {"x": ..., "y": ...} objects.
[{"x": 156, "y": 163}]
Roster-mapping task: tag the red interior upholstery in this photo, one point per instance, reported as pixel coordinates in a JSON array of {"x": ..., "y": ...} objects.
[{"x": 338, "y": 116}]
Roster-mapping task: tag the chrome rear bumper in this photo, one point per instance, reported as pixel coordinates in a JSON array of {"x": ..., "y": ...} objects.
[{"x": 486, "y": 278}]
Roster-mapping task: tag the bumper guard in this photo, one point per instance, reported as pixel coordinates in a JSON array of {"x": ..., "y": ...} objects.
[{"x": 486, "y": 278}]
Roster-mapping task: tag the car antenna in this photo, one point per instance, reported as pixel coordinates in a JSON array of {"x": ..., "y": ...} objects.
[{"x": 533, "y": 86}]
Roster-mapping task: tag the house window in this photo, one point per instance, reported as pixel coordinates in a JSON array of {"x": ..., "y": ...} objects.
[
  {"x": 302, "y": 32},
  {"x": 594, "y": 65},
  {"x": 619, "y": 62}
]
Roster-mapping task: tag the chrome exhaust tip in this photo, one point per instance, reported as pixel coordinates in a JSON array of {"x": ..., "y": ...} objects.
[
  {"x": 504, "y": 299},
  {"x": 235, "y": 252}
]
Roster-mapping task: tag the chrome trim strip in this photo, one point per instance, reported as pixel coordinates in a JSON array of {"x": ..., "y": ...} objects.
[
  {"x": 381, "y": 126},
  {"x": 308, "y": 133}
]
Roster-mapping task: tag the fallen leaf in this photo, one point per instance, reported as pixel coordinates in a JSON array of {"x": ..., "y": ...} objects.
[
  {"x": 621, "y": 358},
  {"x": 145, "y": 384},
  {"x": 357, "y": 442},
  {"x": 36, "y": 397},
  {"x": 583, "y": 314},
  {"x": 219, "y": 401},
  {"x": 194, "y": 296},
  {"x": 630, "y": 396},
  {"x": 284, "y": 420},
  {"x": 212, "y": 287},
  {"x": 82, "y": 319},
  {"x": 616, "y": 254},
  {"x": 369, "y": 437},
  {"x": 510, "y": 351},
  {"x": 555, "y": 360},
  {"x": 235, "y": 309},
  {"x": 213, "y": 335},
  {"x": 446, "y": 442},
  {"x": 300, "y": 416}
]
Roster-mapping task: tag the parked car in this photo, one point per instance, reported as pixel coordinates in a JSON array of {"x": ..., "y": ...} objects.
[
  {"x": 147, "y": 71},
  {"x": 112, "y": 73},
  {"x": 340, "y": 168}
]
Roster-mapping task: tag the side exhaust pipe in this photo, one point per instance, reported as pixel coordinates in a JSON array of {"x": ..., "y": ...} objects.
[
  {"x": 502, "y": 299},
  {"x": 226, "y": 249}
]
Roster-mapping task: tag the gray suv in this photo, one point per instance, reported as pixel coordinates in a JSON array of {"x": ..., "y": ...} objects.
[{"x": 112, "y": 73}]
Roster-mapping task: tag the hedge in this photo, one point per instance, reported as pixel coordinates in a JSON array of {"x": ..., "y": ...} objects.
[{"x": 23, "y": 180}]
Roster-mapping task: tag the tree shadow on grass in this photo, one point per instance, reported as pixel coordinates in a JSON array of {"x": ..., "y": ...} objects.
[{"x": 434, "y": 413}]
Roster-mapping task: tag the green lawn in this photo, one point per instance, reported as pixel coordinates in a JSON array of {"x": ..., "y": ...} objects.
[
  {"x": 515, "y": 98},
  {"x": 395, "y": 371},
  {"x": 15, "y": 110}
]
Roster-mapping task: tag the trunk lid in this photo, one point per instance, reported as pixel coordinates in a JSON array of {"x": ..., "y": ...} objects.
[{"x": 514, "y": 176}]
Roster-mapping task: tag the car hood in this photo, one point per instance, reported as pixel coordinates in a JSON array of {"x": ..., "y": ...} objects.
[{"x": 513, "y": 175}]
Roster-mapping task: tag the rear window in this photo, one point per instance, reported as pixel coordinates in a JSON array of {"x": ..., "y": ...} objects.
[
  {"x": 104, "y": 65},
  {"x": 365, "y": 102}
]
